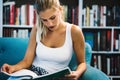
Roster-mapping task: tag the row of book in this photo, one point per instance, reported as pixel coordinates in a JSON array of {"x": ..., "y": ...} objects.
[
  {"x": 101, "y": 40},
  {"x": 23, "y": 15},
  {"x": 109, "y": 64},
  {"x": 71, "y": 14},
  {"x": 99, "y": 15},
  {"x": 16, "y": 33}
]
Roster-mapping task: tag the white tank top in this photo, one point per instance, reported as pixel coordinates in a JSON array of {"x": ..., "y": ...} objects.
[{"x": 53, "y": 59}]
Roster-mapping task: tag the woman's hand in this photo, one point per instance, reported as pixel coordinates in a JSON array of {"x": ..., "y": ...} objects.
[
  {"x": 73, "y": 76},
  {"x": 8, "y": 68}
]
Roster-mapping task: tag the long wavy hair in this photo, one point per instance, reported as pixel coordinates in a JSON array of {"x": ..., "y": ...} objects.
[{"x": 42, "y": 5}]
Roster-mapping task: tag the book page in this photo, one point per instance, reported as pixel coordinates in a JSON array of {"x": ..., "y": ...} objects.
[
  {"x": 27, "y": 74},
  {"x": 22, "y": 73}
]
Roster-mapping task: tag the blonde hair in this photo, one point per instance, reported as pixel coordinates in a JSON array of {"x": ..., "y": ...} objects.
[{"x": 42, "y": 5}]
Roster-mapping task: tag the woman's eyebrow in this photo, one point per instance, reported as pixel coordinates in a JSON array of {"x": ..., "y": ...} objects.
[
  {"x": 43, "y": 19},
  {"x": 49, "y": 17}
]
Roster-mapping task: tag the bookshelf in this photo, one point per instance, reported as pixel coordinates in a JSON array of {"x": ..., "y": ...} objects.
[
  {"x": 17, "y": 18},
  {"x": 11, "y": 29},
  {"x": 100, "y": 23},
  {"x": 76, "y": 10}
]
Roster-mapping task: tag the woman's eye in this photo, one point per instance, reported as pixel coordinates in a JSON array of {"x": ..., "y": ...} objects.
[
  {"x": 52, "y": 18},
  {"x": 44, "y": 20}
]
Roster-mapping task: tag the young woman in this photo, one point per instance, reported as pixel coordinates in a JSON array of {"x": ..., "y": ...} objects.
[{"x": 52, "y": 42}]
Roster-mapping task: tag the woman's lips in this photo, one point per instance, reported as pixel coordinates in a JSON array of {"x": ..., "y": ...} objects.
[{"x": 51, "y": 27}]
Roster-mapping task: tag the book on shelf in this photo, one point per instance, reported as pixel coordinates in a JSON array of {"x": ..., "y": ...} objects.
[
  {"x": 116, "y": 40},
  {"x": 8, "y": 12},
  {"x": 117, "y": 16},
  {"x": 103, "y": 40},
  {"x": 20, "y": 33},
  {"x": 72, "y": 14},
  {"x": 103, "y": 16},
  {"x": 94, "y": 61},
  {"x": 28, "y": 74},
  {"x": 108, "y": 42},
  {"x": 100, "y": 15},
  {"x": 99, "y": 62},
  {"x": 109, "y": 64},
  {"x": 96, "y": 41},
  {"x": 22, "y": 15}
]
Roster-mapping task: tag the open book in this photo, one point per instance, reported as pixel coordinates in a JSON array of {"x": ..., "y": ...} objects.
[{"x": 28, "y": 74}]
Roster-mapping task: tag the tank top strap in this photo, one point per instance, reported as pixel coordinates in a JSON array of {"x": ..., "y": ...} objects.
[
  {"x": 37, "y": 37},
  {"x": 68, "y": 36}
]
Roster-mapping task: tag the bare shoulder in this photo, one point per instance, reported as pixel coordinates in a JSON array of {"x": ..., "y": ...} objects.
[
  {"x": 76, "y": 32},
  {"x": 33, "y": 34},
  {"x": 75, "y": 29},
  {"x": 34, "y": 28},
  {"x": 33, "y": 31}
]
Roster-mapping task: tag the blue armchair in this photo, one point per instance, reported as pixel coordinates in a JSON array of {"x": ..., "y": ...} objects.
[
  {"x": 12, "y": 50},
  {"x": 91, "y": 73}
]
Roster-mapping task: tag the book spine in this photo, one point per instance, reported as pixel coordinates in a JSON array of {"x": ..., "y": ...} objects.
[
  {"x": 9, "y": 12},
  {"x": 87, "y": 16},
  {"x": 12, "y": 14},
  {"x": 119, "y": 42},
  {"x": 31, "y": 15},
  {"x": 95, "y": 61},
  {"x": 99, "y": 62},
  {"x": 108, "y": 66},
  {"x": 23, "y": 15}
]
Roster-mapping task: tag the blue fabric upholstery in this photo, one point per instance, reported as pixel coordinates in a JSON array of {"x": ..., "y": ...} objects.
[
  {"x": 88, "y": 56},
  {"x": 91, "y": 73},
  {"x": 12, "y": 50}
]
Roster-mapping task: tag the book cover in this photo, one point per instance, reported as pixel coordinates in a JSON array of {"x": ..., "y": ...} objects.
[{"x": 28, "y": 74}]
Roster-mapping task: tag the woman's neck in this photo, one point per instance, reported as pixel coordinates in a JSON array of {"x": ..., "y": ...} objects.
[{"x": 60, "y": 27}]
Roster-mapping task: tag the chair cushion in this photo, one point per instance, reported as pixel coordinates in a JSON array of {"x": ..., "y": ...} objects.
[
  {"x": 88, "y": 55},
  {"x": 12, "y": 50},
  {"x": 94, "y": 74}
]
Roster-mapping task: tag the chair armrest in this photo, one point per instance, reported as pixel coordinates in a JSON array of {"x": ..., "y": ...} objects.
[
  {"x": 88, "y": 53},
  {"x": 94, "y": 74}
]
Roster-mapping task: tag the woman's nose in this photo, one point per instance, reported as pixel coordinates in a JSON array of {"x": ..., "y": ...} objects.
[{"x": 49, "y": 23}]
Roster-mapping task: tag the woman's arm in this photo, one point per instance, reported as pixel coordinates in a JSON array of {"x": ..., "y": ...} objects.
[
  {"x": 30, "y": 52},
  {"x": 28, "y": 58},
  {"x": 79, "y": 48}
]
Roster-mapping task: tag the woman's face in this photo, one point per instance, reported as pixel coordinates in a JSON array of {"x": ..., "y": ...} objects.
[{"x": 51, "y": 18}]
